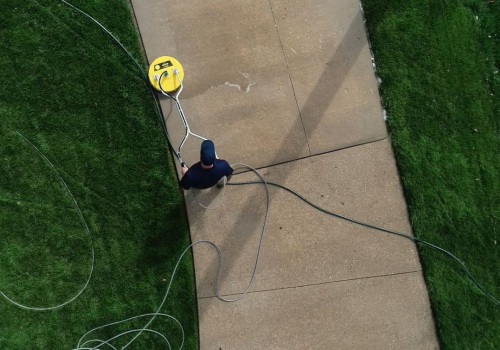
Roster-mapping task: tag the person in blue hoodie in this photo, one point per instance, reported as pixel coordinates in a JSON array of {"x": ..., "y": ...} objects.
[{"x": 208, "y": 172}]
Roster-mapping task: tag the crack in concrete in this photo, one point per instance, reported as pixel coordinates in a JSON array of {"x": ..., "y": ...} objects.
[
  {"x": 289, "y": 76},
  {"x": 319, "y": 284}
]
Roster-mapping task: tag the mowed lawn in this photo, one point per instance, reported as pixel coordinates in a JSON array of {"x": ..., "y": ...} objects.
[
  {"x": 75, "y": 108},
  {"x": 438, "y": 61}
]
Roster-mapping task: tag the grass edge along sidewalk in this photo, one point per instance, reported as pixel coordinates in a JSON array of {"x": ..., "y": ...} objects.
[
  {"x": 73, "y": 93},
  {"x": 438, "y": 63}
]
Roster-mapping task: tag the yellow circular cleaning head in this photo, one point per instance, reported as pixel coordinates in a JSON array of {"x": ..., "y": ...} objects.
[{"x": 165, "y": 74}]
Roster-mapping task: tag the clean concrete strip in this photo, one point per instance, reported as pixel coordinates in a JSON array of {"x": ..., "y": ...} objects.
[
  {"x": 269, "y": 81},
  {"x": 237, "y": 88}
]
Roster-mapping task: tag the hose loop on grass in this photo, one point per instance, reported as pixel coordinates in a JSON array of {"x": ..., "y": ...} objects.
[
  {"x": 83, "y": 344},
  {"x": 141, "y": 69},
  {"x": 87, "y": 231}
]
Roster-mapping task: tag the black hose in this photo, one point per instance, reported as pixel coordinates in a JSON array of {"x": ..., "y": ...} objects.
[{"x": 411, "y": 238}]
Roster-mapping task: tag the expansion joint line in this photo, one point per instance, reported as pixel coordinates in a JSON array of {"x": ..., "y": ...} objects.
[{"x": 289, "y": 76}]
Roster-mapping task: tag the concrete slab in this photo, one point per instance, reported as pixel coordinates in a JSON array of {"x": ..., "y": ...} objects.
[
  {"x": 303, "y": 246},
  {"x": 330, "y": 65},
  {"x": 375, "y": 313},
  {"x": 268, "y": 81},
  {"x": 237, "y": 89}
]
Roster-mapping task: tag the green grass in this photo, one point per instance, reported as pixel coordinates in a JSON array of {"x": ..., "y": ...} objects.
[
  {"x": 438, "y": 61},
  {"x": 72, "y": 92}
]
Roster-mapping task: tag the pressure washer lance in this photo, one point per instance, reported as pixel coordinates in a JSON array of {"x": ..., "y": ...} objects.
[{"x": 165, "y": 76}]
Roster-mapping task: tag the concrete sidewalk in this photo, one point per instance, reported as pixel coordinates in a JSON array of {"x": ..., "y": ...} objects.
[{"x": 288, "y": 87}]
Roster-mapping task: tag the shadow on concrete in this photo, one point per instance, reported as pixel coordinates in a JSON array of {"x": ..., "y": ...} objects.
[{"x": 314, "y": 109}]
